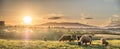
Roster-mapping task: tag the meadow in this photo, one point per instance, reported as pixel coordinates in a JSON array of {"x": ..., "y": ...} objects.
[
  {"x": 39, "y": 44},
  {"x": 42, "y": 38}
]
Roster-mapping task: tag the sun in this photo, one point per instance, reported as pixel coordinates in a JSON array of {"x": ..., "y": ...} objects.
[{"x": 27, "y": 20}]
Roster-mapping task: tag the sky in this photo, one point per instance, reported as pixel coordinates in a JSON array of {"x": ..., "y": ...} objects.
[{"x": 13, "y": 11}]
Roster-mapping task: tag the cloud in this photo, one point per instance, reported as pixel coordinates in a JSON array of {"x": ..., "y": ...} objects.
[
  {"x": 115, "y": 15},
  {"x": 88, "y": 18},
  {"x": 54, "y": 18}
]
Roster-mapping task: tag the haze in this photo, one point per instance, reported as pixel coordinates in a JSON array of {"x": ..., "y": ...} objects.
[{"x": 13, "y": 11}]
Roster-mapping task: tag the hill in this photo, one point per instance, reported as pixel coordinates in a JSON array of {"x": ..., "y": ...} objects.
[{"x": 66, "y": 24}]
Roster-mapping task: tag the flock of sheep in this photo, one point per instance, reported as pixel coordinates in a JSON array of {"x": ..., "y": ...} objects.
[{"x": 82, "y": 39}]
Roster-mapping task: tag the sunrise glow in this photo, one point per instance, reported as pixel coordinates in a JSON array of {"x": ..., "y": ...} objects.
[{"x": 27, "y": 20}]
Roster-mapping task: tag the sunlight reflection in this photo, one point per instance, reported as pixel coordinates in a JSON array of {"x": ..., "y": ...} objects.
[{"x": 26, "y": 34}]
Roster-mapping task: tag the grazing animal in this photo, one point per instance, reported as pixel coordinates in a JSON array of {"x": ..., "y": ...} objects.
[
  {"x": 85, "y": 39},
  {"x": 73, "y": 37},
  {"x": 65, "y": 38},
  {"x": 90, "y": 35},
  {"x": 78, "y": 37},
  {"x": 104, "y": 41}
]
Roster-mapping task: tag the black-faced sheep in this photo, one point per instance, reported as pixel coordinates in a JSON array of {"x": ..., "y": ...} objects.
[
  {"x": 78, "y": 37},
  {"x": 104, "y": 41}
]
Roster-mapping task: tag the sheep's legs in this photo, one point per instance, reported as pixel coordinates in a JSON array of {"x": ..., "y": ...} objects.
[
  {"x": 90, "y": 43},
  {"x": 79, "y": 43},
  {"x": 85, "y": 43}
]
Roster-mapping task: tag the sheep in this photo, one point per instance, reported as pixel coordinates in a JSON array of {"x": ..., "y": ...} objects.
[
  {"x": 85, "y": 39},
  {"x": 65, "y": 38},
  {"x": 73, "y": 37},
  {"x": 78, "y": 37},
  {"x": 104, "y": 41}
]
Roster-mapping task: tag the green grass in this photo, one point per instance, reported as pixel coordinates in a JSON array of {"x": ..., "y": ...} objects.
[{"x": 37, "y": 44}]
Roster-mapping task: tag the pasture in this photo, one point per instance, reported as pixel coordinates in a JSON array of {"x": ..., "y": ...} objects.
[
  {"x": 39, "y": 44},
  {"x": 15, "y": 38}
]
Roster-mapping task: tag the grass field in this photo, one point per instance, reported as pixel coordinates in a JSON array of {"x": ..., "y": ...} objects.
[{"x": 37, "y": 44}]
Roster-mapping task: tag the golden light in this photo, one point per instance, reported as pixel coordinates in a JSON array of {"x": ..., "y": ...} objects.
[{"x": 27, "y": 20}]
